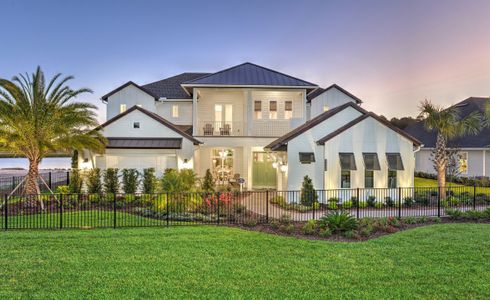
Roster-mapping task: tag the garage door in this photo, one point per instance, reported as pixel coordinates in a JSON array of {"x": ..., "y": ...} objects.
[{"x": 140, "y": 162}]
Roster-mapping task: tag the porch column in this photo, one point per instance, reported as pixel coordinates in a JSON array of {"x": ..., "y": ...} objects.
[{"x": 195, "y": 128}]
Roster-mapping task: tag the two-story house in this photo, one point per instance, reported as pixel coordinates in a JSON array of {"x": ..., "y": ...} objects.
[{"x": 255, "y": 123}]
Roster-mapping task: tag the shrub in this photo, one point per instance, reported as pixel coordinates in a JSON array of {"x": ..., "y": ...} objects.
[
  {"x": 94, "y": 185},
  {"x": 189, "y": 179},
  {"x": 76, "y": 181},
  {"x": 208, "y": 182},
  {"x": 149, "y": 181},
  {"x": 338, "y": 221},
  {"x": 453, "y": 201},
  {"x": 389, "y": 202},
  {"x": 354, "y": 200},
  {"x": 285, "y": 219},
  {"x": 378, "y": 204},
  {"x": 351, "y": 234},
  {"x": 363, "y": 204},
  {"x": 279, "y": 200},
  {"x": 111, "y": 181},
  {"x": 130, "y": 180},
  {"x": 250, "y": 222},
  {"x": 171, "y": 181},
  {"x": 275, "y": 224},
  {"x": 325, "y": 232},
  {"x": 332, "y": 203},
  {"x": 408, "y": 202},
  {"x": 309, "y": 228},
  {"x": 474, "y": 214},
  {"x": 453, "y": 213},
  {"x": 435, "y": 219},
  {"x": 289, "y": 229},
  {"x": 239, "y": 208},
  {"x": 347, "y": 204},
  {"x": 63, "y": 189},
  {"x": 392, "y": 221},
  {"x": 410, "y": 220},
  {"x": 371, "y": 200},
  {"x": 486, "y": 212},
  {"x": 366, "y": 230},
  {"x": 308, "y": 195}
]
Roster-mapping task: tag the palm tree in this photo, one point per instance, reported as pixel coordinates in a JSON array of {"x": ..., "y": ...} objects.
[
  {"x": 37, "y": 119},
  {"x": 448, "y": 125}
]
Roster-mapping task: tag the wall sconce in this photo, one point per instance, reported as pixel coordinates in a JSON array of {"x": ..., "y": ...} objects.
[
  {"x": 274, "y": 165},
  {"x": 185, "y": 160},
  {"x": 284, "y": 168}
]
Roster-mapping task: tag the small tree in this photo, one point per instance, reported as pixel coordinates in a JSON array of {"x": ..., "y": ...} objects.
[
  {"x": 149, "y": 181},
  {"x": 208, "y": 182},
  {"x": 171, "y": 181},
  {"x": 308, "y": 195},
  {"x": 111, "y": 181},
  {"x": 94, "y": 184},
  {"x": 74, "y": 160},
  {"x": 130, "y": 180},
  {"x": 76, "y": 182}
]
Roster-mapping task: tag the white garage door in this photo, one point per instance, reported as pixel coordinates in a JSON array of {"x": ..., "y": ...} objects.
[{"x": 142, "y": 161}]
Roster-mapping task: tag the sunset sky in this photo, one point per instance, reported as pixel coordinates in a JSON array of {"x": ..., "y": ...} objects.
[{"x": 391, "y": 54}]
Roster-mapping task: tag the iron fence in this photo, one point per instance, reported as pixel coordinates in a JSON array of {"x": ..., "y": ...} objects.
[
  {"x": 51, "y": 180},
  {"x": 58, "y": 211}
]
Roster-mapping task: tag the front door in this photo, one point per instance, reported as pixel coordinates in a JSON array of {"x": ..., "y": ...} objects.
[{"x": 264, "y": 175}]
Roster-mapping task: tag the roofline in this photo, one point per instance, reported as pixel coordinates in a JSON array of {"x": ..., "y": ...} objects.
[
  {"x": 358, "y": 100},
  {"x": 186, "y": 85},
  {"x": 312, "y": 123},
  {"x": 155, "y": 117},
  {"x": 224, "y": 70},
  {"x": 357, "y": 120},
  {"x": 140, "y": 139},
  {"x": 106, "y": 96}
]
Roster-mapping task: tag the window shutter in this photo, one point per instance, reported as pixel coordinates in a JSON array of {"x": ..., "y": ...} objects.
[
  {"x": 371, "y": 161},
  {"x": 347, "y": 161},
  {"x": 395, "y": 162}
]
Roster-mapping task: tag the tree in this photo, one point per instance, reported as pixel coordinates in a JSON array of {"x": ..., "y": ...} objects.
[
  {"x": 208, "y": 182},
  {"x": 308, "y": 196},
  {"x": 38, "y": 118},
  {"x": 448, "y": 125}
]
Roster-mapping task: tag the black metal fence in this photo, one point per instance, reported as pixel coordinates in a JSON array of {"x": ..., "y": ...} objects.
[
  {"x": 45, "y": 180},
  {"x": 57, "y": 211}
]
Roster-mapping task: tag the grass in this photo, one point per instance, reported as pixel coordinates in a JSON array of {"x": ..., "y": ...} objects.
[
  {"x": 439, "y": 261},
  {"x": 432, "y": 183}
]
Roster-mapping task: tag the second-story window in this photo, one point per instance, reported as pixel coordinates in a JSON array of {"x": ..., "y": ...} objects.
[
  {"x": 175, "y": 111},
  {"x": 122, "y": 108},
  {"x": 136, "y": 125},
  {"x": 272, "y": 109},
  {"x": 288, "y": 110},
  {"x": 258, "y": 110}
]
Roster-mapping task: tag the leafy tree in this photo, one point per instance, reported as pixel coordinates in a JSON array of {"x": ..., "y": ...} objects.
[
  {"x": 130, "y": 180},
  {"x": 448, "y": 125},
  {"x": 74, "y": 159},
  {"x": 76, "y": 181},
  {"x": 208, "y": 182},
  {"x": 171, "y": 181},
  {"x": 149, "y": 181},
  {"x": 308, "y": 195},
  {"x": 39, "y": 117},
  {"x": 111, "y": 180},
  {"x": 94, "y": 184}
]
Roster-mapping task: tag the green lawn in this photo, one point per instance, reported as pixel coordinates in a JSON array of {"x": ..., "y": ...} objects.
[
  {"x": 438, "y": 262},
  {"x": 431, "y": 183}
]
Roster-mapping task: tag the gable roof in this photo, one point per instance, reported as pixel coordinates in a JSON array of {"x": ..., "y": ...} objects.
[
  {"x": 282, "y": 141},
  {"x": 249, "y": 74},
  {"x": 154, "y": 116},
  {"x": 106, "y": 96},
  {"x": 362, "y": 118},
  {"x": 320, "y": 91},
  {"x": 466, "y": 107},
  {"x": 170, "y": 87}
]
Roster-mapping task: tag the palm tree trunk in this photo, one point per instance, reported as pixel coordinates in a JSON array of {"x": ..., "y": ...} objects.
[
  {"x": 32, "y": 186},
  {"x": 440, "y": 161}
]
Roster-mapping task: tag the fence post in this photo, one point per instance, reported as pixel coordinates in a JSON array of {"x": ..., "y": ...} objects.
[
  {"x": 13, "y": 183},
  {"x": 67, "y": 177},
  {"x": 474, "y": 197},
  {"x": 61, "y": 211},
  {"x": 114, "y": 209},
  {"x": 267, "y": 206},
  {"x": 358, "y": 202},
  {"x": 6, "y": 211},
  {"x": 312, "y": 197},
  {"x": 439, "y": 202},
  {"x": 399, "y": 202},
  {"x": 166, "y": 207},
  {"x": 219, "y": 194},
  {"x": 50, "y": 181}
]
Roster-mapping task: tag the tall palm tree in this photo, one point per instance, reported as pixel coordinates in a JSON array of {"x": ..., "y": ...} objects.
[
  {"x": 448, "y": 124},
  {"x": 37, "y": 119}
]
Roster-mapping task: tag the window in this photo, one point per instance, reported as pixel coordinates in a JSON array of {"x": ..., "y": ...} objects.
[
  {"x": 392, "y": 179},
  {"x": 463, "y": 162},
  {"x": 306, "y": 157},
  {"x": 258, "y": 110},
  {"x": 288, "y": 110},
  {"x": 136, "y": 125},
  {"x": 347, "y": 161},
  {"x": 371, "y": 161},
  {"x": 368, "y": 178},
  {"x": 325, "y": 108},
  {"x": 345, "y": 179},
  {"x": 175, "y": 111},
  {"x": 122, "y": 108},
  {"x": 272, "y": 109},
  {"x": 395, "y": 162}
]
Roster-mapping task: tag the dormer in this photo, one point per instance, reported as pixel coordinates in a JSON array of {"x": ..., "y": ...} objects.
[
  {"x": 322, "y": 100},
  {"x": 126, "y": 96}
]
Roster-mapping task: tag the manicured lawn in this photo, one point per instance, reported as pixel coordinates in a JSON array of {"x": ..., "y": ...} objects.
[
  {"x": 424, "y": 182},
  {"x": 439, "y": 261}
]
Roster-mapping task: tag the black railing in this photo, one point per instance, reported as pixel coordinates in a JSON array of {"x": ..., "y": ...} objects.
[
  {"x": 57, "y": 211},
  {"x": 51, "y": 180}
]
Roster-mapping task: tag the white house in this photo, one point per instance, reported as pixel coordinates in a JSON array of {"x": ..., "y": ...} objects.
[{"x": 255, "y": 123}]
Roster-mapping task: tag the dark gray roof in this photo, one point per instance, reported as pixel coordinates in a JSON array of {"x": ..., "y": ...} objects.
[
  {"x": 170, "y": 87},
  {"x": 320, "y": 91},
  {"x": 144, "y": 143},
  {"x": 249, "y": 74},
  {"x": 481, "y": 140}
]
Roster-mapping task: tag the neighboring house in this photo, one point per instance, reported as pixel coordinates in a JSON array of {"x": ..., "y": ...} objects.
[
  {"x": 474, "y": 150},
  {"x": 255, "y": 123}
]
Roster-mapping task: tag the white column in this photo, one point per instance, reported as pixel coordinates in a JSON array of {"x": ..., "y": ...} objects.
[
  {"x": 195, "y": 128},
  {"x": 484, "y": 163}
]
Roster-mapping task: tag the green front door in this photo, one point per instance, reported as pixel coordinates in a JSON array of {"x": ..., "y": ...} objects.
[{"x": 263, "y": 174}]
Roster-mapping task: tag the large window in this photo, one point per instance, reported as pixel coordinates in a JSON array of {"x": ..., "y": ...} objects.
[
  {"x": 347, "y": 164},
  {"x": 306, "y": 157},
  {"x": 258, "y": 110},
  {"x": 463, "y": 162},
  {"x": 288, "y": 110},
  {"x": 273, "y": 110},
  {"x": 368, "y": 178},
  {"x": 175, "y": 111},
  {"x": 222, "y": 164},
  {"x": 371, "y": 163},
  {"x": 395, "y": 164},
  {"x": 345, "y": 179},
  {"x": 122, "y": 108},
  {"x": 392, "y": 179}
]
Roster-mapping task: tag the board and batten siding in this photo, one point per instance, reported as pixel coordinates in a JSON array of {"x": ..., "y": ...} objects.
[
  {"x": 330, "y": 98},
  {"x": 478, "y": 162},
  {"x": 164, "y": 109},
  {"x": 130, "y": 96}
]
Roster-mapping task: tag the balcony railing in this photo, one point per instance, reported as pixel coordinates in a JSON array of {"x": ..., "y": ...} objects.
[{"x": 270, "y": 128}]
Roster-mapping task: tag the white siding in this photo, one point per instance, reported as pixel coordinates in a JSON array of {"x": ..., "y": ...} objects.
[
  {"x": 331, "y": 98},
  {"x": 164, "y": 109},
  {"x": 130, "y": 96},
  {"x": 476, "y": 162},
  {"x": 423, "y": 162}
]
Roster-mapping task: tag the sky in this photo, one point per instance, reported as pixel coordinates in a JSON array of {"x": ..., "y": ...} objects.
[{"x": 391, "y": 54}]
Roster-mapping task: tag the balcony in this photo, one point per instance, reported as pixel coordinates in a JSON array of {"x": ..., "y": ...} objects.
[{"x": 268, "y": 128}]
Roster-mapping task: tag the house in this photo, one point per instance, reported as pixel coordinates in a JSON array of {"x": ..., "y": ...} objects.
[
  {"x": 251, "y": 122},
  {"x": 474, "y": 150}
]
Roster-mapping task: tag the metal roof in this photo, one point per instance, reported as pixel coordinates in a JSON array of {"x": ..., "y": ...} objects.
[
  {"x": 144, "y": 143},
  {"x": 170, "y": 87},
  {"x": 248, "y": 74}
]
